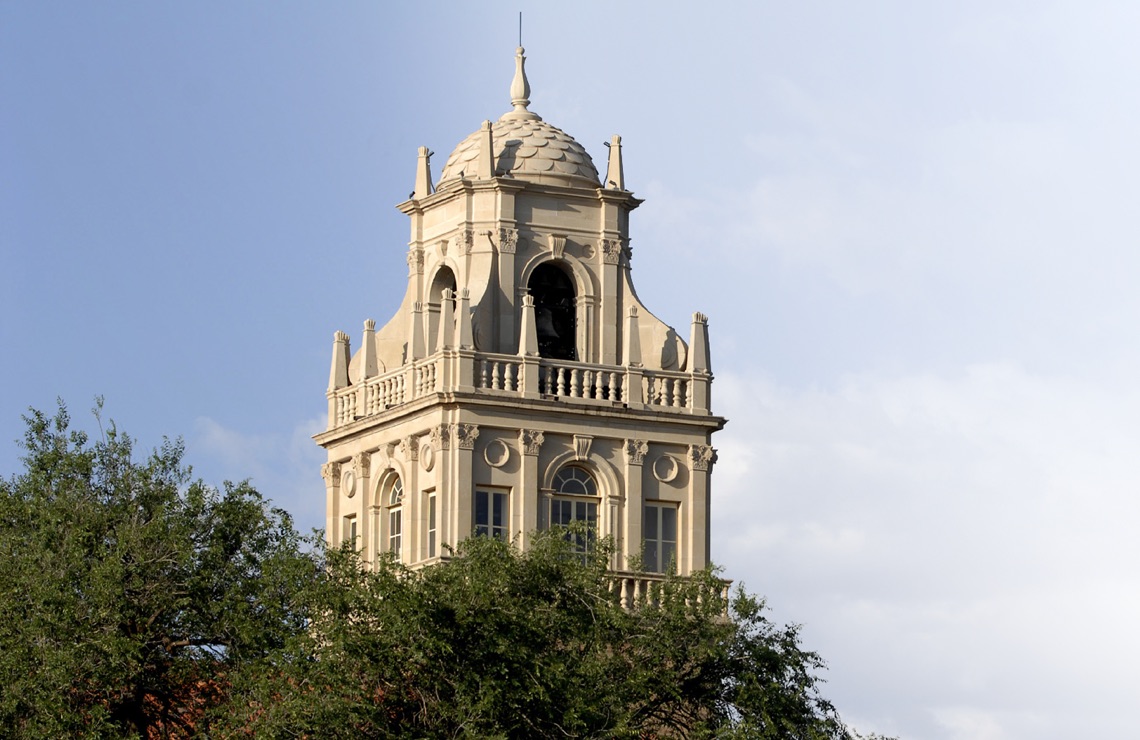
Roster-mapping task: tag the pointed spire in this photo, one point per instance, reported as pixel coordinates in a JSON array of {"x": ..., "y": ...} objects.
[
  {"x": 371, "y": 368},
  {"x": 417, "y": 349},
  {"x": 520, "y": 90},
  {"x": 615, "y": 173},
  {"x": 699, "y": 344},
  {"x": 528, "y": 333},
  {"x": 465, "y": 329},
  {"x": 485, "y": 167},
  {"x": 632, "y": 352},
  {"x": 447, "y": 321},
  {"x": 423, "y": 174},
  {"x": 338, "y": 374}
]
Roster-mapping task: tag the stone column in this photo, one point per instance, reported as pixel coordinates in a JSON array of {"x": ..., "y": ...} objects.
[
  {"x": 465, "y": 436},
  {"x": 630, "y": 545},
  {"x": 696, "y": 518},
  {"x": 330, "y": 471},
  {"x": 528, "y": 498}
]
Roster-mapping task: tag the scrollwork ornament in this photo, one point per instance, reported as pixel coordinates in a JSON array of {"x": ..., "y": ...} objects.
[
  {"x": 331, "y": 472},
  {"x": 635, "y": 450},
  {"x": 409, "y": 447},
  {"x": 701, "y": 456},
  {"x": 466, "y": 434},
  {"x": 530, "y": 441},
  {"x": 467, "y": 239},
  {"x": 611, "y": 251},
  {"x": 508, "y": 240},
  {"x": 441, "y": 437},
  {"x": 363, "y": 463},
  {"x": 416, "y": 260}
]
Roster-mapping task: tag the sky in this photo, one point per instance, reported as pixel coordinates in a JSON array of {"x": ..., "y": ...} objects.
[{"x": 911, "y": 224}]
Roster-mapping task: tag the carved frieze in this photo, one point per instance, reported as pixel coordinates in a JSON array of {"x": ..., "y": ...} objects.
[
  {"x": 635, "y": 450},
  {"x": 530, "y": 441},
  {"x": 701, "y": 456},
  {"x": 465, "y": 435}
]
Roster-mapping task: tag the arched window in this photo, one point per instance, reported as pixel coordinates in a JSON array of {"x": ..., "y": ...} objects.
[
  {"x": 575, "y": 502},
  {"x": 554, "y": 312},
  {"x": 395, "y": 517}
]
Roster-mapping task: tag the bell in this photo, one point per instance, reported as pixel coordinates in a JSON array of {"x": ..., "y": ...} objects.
[{"x": 544, "y": 324}]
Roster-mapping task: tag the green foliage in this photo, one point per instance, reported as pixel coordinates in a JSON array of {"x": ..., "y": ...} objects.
[
  {"x": 509, "y": 644},
  {"x": 129, "y": 592},
  {"x": 138, "y": 602}
]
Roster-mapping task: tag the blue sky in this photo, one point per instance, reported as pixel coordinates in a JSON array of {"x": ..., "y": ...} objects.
[{"x": 912, "y": 227}]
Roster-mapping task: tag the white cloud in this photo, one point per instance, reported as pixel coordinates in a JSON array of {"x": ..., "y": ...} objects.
[
  {"x": 945, "y": 540},
  {"x": 283, "y": 467}
]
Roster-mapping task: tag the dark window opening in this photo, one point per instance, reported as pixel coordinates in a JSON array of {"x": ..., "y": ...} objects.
[{"x": 554, "y": 312}]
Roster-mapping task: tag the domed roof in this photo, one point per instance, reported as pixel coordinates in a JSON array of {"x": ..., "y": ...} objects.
[
  {"x": 527, "y": 149},
  {"x": 525, "y": 146}
]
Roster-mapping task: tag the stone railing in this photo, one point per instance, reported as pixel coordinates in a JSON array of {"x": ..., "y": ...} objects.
[
  {"x": 521, "y": 377},
  {"x": 640, "y": 589}
]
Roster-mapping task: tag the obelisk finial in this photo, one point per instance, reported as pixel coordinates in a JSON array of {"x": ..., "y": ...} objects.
[{"x": 520, "y": 89}]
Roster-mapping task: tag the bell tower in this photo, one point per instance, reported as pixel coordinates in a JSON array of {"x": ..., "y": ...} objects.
[{"x": 522, "y": 384}]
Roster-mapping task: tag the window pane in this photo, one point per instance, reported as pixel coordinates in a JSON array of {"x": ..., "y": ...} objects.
[
  {"x": 668, "y": 523},
  {"x": 498, "y": 513},
  {"x": 651, "y": 563},
  {"x": 650, "y": 527},
  {"x": 668, "y": 555},
  {"x": 482, "y": 518}
]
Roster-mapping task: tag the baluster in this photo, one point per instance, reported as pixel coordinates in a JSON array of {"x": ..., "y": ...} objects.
[
  {"x": 496, "y": 376},
  {"x": 680, "y": 390},
  {"x": 575, "y": 386},
  {"x": 511, "y": 376},
  {"x": 614, "y": 397},
  {"x": 484, "y": 381},
  {"x": 562, "y": 381},
  {"x": 548, "y": 382}
]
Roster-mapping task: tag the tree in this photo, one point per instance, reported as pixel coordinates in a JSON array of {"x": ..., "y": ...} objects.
[
  {"x": 501, "y": 643},
  {"x": 128, "y": 591}
]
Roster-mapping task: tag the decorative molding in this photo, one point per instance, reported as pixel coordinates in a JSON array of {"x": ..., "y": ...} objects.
[
  {"x": 582, "y": 444},
  {"x": 635, "y": 450},
  {"x": 666, "y": 468},
  {"x": 497, "y": 453},
  {"x": 530, "y": 441},
  {"x": 701, "y": 456},
  {"x": 416, "y": 260},
  {"x": 611, "y": 251},
  {"x": 348, "y": 483},
  {"x": 427, "y": 456},
  {"x": 465, "y": 435},
  {"x": 363, "y": 463},
  {"x": 440, "y": 437},
  {"x": 588, "y": 251},
  {"x": 508, "y": 240},
  {"x": 331, "y": 473},
  {"x": 409, "y": 447},
  {"x": 557, "y": 246},
  {"x": 467, "y": 240},
  {"x": 443, "y": 247}
]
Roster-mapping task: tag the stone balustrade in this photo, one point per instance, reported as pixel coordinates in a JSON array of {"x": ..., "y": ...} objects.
[
  {"x": 641, "y": 589},
  {"x": 522, "y": 377}
]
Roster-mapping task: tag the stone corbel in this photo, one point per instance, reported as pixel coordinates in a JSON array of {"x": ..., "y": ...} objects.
[{"x": 582, "y": 444}]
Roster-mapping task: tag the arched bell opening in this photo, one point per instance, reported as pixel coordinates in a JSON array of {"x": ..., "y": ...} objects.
[
  {"x": 444, "y": 280},
  {"x": 555, "y": 318}
]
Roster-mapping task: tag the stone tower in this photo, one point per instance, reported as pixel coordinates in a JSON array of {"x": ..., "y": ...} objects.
[{"x": 521, "y": 384}]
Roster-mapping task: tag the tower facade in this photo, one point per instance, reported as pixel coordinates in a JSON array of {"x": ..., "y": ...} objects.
[{"x": 521, "y": 384}]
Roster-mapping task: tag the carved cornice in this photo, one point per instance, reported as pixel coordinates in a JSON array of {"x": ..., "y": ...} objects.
[
  {"x": 530, "y": 441},
  {"x": 465, "y": 435},
  {"x": 635, "y": 450},
  {"x": 701, "y": 457}
]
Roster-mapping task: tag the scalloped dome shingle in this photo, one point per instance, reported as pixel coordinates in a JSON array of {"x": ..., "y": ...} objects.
[{"x": 528, "y": 149}]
